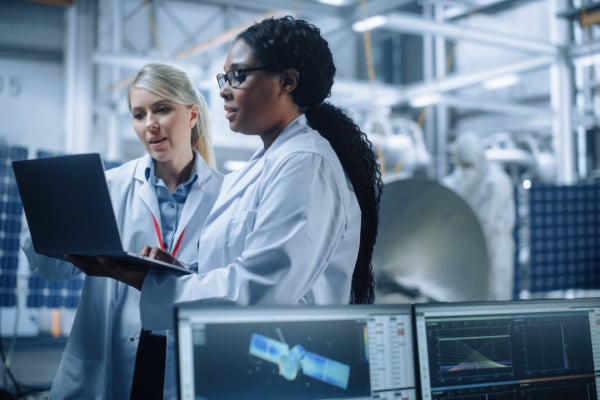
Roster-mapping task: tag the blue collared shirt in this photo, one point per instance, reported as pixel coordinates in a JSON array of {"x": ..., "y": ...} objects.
[{"x": 170, "y": 205}]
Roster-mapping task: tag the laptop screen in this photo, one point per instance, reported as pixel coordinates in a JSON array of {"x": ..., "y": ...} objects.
[
  {"x": 530, "y": 350},
  {"x": 296, "y": 352}
]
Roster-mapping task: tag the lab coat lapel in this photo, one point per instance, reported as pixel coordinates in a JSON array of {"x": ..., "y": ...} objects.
[
  {"x": 195, "y": 195},
  {"x": 147, "y": 192},
  {"x": 192, "y": 203},
  {"x": 235, "y": 184}
]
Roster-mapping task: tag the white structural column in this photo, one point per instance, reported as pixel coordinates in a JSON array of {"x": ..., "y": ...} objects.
[
  {"x": 441, "y": 110},
  {"x": 561, "y": 95},
  {"x": 79, "y": 76},
  {"x": 429, "y": 128},
  {"x": 113, "y": 145}
]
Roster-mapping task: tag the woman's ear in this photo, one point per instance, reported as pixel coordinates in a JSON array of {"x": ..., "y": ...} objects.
[
  {"x": 194, "y": 115},
  {"x": 289, "y": 79}
]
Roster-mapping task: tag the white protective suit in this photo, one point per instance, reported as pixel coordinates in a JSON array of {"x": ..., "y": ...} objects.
[
  {"x": 284, "y": 230},
  {"x": 490, "y": 193},
  {"x": 99, "y": 358}
]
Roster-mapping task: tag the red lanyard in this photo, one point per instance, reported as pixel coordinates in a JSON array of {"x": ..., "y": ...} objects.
[{"x": 160, "y": 239}]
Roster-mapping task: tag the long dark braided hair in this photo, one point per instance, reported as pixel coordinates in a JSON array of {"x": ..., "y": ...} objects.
[{"x": 286, "y": 42}]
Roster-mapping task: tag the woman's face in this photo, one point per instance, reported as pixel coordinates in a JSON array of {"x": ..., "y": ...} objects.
[
  {"x": 163, "y": 127},
  {"x": 255, "y": 106}
]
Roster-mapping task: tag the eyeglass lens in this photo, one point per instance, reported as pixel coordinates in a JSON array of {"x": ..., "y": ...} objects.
[{"x": 236, "y": 77}]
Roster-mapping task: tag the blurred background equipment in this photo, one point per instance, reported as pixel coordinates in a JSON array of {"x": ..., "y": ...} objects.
[
  {"x": 430, "y": 245},
  {"x": 526, "y": 155},
  {"x": 399, "y": 144},
  {"x": 489, "y": 191}
]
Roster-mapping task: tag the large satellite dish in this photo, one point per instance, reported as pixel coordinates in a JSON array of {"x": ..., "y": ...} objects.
[{"x": 430, "y": 245}]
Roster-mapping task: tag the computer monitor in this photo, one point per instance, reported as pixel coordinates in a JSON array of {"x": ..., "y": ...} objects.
[
  {"x": 514, "y": 350},
  {"x": 295, "y": 352}
]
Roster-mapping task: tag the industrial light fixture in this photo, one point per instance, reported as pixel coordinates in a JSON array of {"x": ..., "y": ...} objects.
[
  {"x": 337, "y": 3},
  {"x": 501, "y": 82},
  {"x": 454, "y": 11},
  {"x": 368, "y": 24},
  {"x": 425, "y": 100}
]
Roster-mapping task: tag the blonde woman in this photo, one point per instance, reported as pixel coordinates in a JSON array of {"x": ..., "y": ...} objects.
[{"x": 161, "y": 199}]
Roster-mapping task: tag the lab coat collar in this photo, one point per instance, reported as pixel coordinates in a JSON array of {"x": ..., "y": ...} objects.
[
  {"x": 196, "y": 194},
  {"x": 237, "y": 181},
  {"x": 296, "y": 126},
  {"x": 147, "y": 191},
  {"x": 201, "y": 169}
]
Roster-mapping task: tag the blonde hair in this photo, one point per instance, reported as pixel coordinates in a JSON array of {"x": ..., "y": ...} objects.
[{"x": 174, "y": 85}]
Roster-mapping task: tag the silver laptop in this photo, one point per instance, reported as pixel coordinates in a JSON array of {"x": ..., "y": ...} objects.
[
  {"x": 69, "y": 211},
  {"x": 295, "y": 352}
]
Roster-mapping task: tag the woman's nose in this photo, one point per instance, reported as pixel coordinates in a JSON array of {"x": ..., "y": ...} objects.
[
  {"x": 225, "y": 91},
  {"x": 151, "y": 121}
]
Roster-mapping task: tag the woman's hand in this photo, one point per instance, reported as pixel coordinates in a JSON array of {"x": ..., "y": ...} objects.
[
  {"x": 89, "y": 265},
  {"x": 110, "y": 268},
  {"x": 159, "y": 254},
  {"x": 131, "y": 275}
]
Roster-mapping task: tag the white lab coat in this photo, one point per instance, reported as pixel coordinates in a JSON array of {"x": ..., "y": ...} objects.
[
  {"x": 284, "y": 230},
  {"x": 99, "y": 357}
]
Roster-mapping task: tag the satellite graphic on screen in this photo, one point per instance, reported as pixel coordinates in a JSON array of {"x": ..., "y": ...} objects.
[{"x": 291, "y": 361}]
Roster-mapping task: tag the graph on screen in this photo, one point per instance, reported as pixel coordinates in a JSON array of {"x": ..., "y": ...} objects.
[
  {"x": 509, "y": 350},
  {"x": 471, "y": 351}
]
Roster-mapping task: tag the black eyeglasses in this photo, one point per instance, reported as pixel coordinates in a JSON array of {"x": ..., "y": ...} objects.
[{"x": 235, "y": 77}]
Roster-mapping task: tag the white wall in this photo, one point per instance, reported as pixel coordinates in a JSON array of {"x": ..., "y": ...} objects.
[
  {"x": 32, "y": 98},
  {"x": 31, "y": 75}
]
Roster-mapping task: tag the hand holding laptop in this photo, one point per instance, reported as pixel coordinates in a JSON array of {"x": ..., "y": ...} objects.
[
  {"x": 67, "y": 203},
  {"x": 157, "y": 253},
  {"x": 110, "y": 268},
  {"x": 132, "y": 275}
]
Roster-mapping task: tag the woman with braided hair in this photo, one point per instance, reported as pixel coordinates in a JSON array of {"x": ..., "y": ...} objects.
[
  {"x": 297, "y": 224},
  {"x": 295, "y": 57}
]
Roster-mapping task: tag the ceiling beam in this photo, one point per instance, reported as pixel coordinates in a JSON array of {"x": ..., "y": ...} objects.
[
  {"x": 379, "y": 7},
  {"x": 410, "y": 23},
  {"x": 138, "y": 62},
  {"x": 304, "y": 7},
  {"x": 462, "y": 80},
  {"x": 368, "y": 95},
  {"x": 224, "y": 37},
  {"x": 497, "y": 107}
]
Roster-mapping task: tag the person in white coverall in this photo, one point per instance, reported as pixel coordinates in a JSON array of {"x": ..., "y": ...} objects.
[
  {"x": 297, "y": 225},
  {"x": 490, "y": 193},
  {"x": 161, "y": 198}
]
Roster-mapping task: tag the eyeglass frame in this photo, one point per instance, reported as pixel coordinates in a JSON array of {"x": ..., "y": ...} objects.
[{"x": 241, "y": 75}]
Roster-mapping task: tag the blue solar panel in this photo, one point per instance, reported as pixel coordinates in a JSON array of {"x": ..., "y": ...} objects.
[
  {"x": 107, "y": 164},
  {"x": 46, "y": 154},
  {"x": 111, "y": 164},
  {"x": 41, "y": 293},
  {"x": 52, "y": 293},
  {"x": 10, "y": 224},
  {"x": 565, "y": 237}
]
